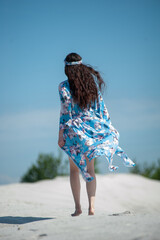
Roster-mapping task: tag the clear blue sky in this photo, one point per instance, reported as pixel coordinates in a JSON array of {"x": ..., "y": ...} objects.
[{"x": 120, "y": 38}]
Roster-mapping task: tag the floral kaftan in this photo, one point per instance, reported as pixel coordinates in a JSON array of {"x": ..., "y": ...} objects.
[{"x": 89, "y": 132}]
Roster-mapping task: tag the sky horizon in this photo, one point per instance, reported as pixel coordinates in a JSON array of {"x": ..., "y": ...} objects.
[{"x": 120, "y": 39}]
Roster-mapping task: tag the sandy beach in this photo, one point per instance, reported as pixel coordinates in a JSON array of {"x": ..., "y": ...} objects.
[{"x": 127, "y": 207}]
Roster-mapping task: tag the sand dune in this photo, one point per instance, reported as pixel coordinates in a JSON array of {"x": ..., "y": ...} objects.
[{"x": 127, "y": 207}]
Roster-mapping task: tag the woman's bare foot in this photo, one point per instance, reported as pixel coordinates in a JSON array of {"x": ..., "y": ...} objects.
[
  {"x": 91, "y": 211},
  {"x": 76, "y": 213}
]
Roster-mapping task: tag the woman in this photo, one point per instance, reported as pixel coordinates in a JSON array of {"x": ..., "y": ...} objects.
[{"x": 85, "y": 128}]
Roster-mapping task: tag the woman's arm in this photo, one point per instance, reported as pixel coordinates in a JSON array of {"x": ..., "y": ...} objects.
[{"x": 65, "y": 112}]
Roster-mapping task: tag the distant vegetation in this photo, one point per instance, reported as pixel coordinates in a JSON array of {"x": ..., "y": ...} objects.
[
  {"x": 96, "y": 168},
  {"x": 48, "y": 166},
  {"x": 150, "y": 171}
]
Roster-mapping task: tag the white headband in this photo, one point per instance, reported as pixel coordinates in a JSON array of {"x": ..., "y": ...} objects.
[{"x": 72, "y": 63}]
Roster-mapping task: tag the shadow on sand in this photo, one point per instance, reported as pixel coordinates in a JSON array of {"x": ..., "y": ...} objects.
[{"x": 21, "y": 220}]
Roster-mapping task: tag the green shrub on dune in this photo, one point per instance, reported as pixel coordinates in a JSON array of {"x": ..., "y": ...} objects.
[
  {"x": 46, "y": 167},
  {"x": 152, "y": 171}
]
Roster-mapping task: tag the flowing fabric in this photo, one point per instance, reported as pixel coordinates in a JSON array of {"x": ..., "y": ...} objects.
[{"x": 89, "y": 132}]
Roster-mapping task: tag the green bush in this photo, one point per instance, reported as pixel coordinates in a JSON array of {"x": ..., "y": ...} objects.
[
  {"x": 96, "y": 169},
  {"x": 152, "y": 171},
  {"x": 46, "y": 168}
]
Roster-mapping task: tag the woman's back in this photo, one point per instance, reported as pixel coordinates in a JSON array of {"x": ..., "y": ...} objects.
[{"x": 97, "y": 110}]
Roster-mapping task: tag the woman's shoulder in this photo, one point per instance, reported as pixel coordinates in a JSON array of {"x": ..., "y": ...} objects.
[{"x": 63, "y": 84}]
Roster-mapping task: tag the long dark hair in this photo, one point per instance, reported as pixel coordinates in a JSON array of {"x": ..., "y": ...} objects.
[{"x": 82, "y": 79}]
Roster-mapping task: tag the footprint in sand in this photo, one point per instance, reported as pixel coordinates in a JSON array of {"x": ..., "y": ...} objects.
[
  {"x": 120, "y": 214},
  {"x": 42, "y": 235}
]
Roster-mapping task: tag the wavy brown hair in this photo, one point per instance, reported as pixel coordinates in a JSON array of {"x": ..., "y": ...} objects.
[{"x": 82, "y": 79}]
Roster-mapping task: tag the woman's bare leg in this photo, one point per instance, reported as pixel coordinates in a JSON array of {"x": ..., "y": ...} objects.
[
  {"x": 91, "y": 186},
  {"x": 75, "y": 186}
]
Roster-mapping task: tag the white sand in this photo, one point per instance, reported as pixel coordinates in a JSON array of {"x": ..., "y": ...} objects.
[{"x": 127, "y": 207}]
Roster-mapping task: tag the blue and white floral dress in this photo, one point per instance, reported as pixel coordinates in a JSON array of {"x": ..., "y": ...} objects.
[{"x": 89, "y": 132}]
